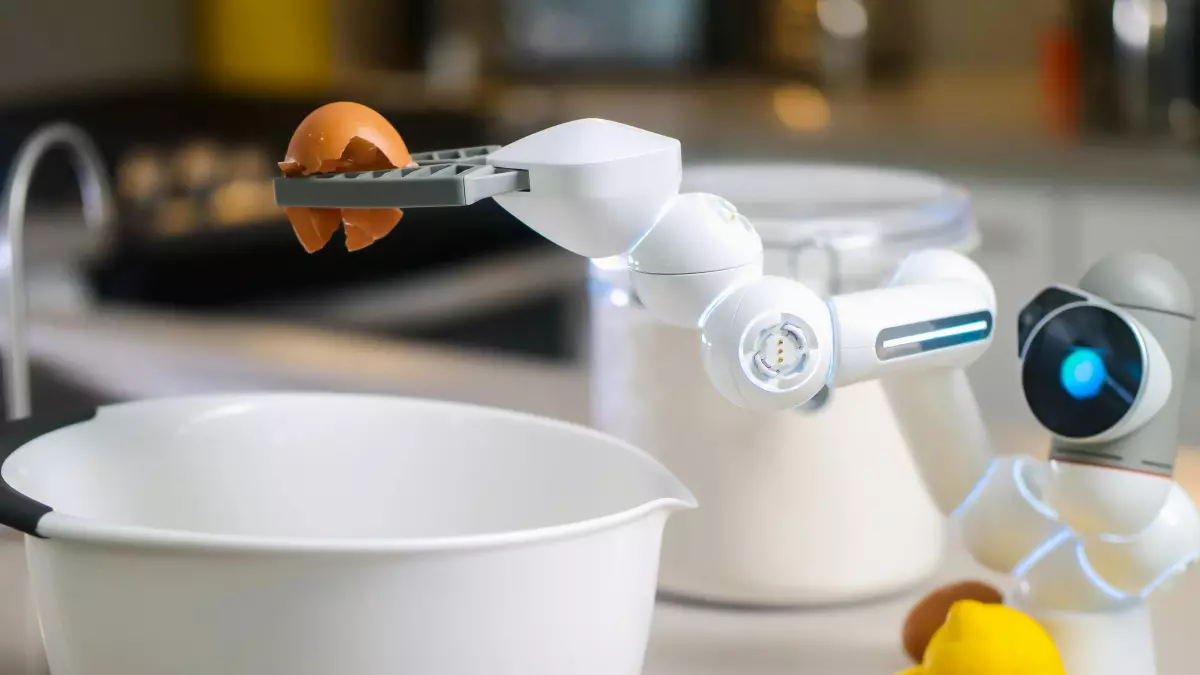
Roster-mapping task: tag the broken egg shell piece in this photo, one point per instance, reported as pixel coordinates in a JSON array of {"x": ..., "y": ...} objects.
[
  {"x": 366, "y": 226},
  {"x": 357, "y": 239},
  {"x": 314, "y": 227},
  {"x": 291, "y": 169},
  {"x": 362, "y": 155},
  {"x": 375, "y": 222},
  {"x": 331, "y": 166},
  {"x": 359, "y": 155}
]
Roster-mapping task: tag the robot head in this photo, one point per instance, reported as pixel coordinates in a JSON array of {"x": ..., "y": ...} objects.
[
  {"x": 1091, "y": 373},
  {"x": 1100, "y": 370}
]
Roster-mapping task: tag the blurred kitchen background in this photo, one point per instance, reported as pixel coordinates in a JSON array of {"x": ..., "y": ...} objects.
[{"x": 1073, "y": 124}]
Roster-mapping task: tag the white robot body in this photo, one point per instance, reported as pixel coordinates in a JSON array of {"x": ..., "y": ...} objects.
[
  {"x": 682, "y": 299},
  {"x": 1093, "y": 532},
  {"x": 936, "y": 266},
  {"x": 601, "y": 189},
  {"x": 943, "y": 426},
  {"x": 1096, "y": 500},
  {"x": 1115, "y": 641},
  {"x": 1090, "y": 592},
  {"x": 1140, "y": 564},
  {"x": 768, "y": 344},
  {"x": 1003, "y": 522},
  {"x": 1097, "y": 629},
  {"x": 1098, "y": 379},
  {"x": 1058, "y": 577},
  {"x": 697, "y": 232},
  {"x": 595, "y": 187},
  {"x": 891, "y": 331},
  {"x": 700, "y": 248},
  {"x": 1089, "y": 534}
]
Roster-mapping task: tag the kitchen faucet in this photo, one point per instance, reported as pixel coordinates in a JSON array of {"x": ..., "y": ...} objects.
[{"x": 99, "y": 215}]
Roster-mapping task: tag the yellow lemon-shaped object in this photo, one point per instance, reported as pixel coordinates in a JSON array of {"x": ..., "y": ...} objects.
[{"x": 983, "y": 639}]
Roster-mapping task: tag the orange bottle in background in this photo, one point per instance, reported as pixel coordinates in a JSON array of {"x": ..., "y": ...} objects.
[{"x": 1060, "y": 80}]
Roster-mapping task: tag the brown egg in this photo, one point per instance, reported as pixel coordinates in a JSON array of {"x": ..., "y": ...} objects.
[
  {"x": 930, "y": 613},
  {"x": 337, "y": 138}
]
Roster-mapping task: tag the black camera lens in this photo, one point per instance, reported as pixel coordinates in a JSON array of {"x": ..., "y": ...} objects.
[
  {"x": 1082, "y": 371},
  {"x": 1037, "y": 309}
]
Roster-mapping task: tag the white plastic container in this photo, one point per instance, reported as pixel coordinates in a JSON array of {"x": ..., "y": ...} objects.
[
  {"x": 294, "y": 534},
  {"x": 802, "y": 507}
]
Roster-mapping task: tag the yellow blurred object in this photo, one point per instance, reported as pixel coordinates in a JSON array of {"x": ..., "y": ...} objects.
[
  {"x": 801, "y": 108},
  {"x": 275, "y": 46},
  {"x": 986, "y": 639}
]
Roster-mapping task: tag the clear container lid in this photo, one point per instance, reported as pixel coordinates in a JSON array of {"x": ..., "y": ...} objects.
[
  {"x": 836, "y": 228},
  {"x": 841, "y": 228}
]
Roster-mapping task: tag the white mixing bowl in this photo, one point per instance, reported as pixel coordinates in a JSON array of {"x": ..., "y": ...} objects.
[{"x": 310, "y": 534}]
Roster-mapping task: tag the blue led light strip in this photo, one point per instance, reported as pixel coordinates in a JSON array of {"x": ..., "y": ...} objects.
[
  {"x": 924, "y": 336},
  {"x": 973, "y": 327}
]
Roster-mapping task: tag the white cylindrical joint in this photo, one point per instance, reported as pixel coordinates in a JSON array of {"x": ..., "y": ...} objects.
[
  {"x": 1059, "y": 578},
  {"x": 700, "y": 248},
  {"x": 1138, "y": 564},
  {"x": 1107, "y": 640},
  {"x": 1003, "y": 521},
  {"x": 768, "y": 344},
  {"x": 1099, "y": 500},
  {"x": 933, "y": 266}
]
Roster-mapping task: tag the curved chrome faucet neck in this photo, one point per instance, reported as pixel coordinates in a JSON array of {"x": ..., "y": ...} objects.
[{"x": 98, "y": 213}]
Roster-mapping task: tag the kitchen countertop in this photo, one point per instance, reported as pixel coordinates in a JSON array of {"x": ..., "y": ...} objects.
[
  {"x": 857, "y": 640},
  {"x": 131, "y": 354}
]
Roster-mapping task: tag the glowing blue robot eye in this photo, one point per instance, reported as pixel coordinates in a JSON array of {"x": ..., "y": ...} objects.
[{"x": 1083, "y": 374}]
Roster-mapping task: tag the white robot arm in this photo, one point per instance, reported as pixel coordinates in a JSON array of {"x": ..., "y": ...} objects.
[
  {"x": 602, "y": 189},
  {"x": 1105, "y": 572},
  {"x": 996, "y": 500},
  {"x": 770, "y": 343},
  {"x": 774, "y": 344},
  {"x": 1101, "y": 369},
  {"x": 1102, "y": 521},
  {"x": 1139, "y": 564}
]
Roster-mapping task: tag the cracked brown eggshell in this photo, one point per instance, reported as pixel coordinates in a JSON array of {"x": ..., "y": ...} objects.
[
  {"x": 344, "y": 136},
  {"x": 337, "y": 138}
]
